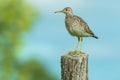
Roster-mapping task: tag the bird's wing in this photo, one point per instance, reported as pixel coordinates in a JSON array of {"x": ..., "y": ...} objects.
[{"x": 83, "y": 24}]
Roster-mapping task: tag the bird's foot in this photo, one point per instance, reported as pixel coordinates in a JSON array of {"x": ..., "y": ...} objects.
[
  {"x": 75, "y": 52},
  {"x": 80, "y": 51}
]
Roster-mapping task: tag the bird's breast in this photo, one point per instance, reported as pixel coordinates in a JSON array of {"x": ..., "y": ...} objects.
[{"x": 69, "y": 27}]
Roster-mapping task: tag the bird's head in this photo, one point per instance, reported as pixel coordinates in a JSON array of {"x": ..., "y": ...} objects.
[{"x": 67, "y": 11}]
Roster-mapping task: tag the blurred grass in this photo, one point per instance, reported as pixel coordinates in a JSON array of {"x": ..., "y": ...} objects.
[{"x": 16, "y": 19}]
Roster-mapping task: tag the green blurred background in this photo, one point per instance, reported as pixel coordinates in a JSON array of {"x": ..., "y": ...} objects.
[{"x": 17, "y": 18}]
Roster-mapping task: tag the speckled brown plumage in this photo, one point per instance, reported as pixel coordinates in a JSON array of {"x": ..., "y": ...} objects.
[{"x": 76, "y": 26}]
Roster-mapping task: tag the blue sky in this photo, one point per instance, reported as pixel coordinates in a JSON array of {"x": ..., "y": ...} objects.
[{"x": 49, "y": 39}]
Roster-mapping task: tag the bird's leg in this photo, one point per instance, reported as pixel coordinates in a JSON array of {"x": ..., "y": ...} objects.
[
  {"x": 81, "y": 39},
  {"x": 77, "y": 44}
]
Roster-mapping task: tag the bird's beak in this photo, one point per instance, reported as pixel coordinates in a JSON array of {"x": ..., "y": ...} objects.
[{"x": 59, "y": 11}]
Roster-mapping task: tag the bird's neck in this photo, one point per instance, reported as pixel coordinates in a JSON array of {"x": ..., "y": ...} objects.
[{"x": 69, "y": 15}]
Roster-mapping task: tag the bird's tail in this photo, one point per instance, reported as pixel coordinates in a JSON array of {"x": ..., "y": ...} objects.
[{"x": 95, "y": 36}]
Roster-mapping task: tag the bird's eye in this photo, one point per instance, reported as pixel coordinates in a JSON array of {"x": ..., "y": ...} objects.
[{"x": 66, "y": 9}]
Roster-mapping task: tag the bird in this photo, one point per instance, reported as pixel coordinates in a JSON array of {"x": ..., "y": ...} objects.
[{"x": 76, "y": 26}]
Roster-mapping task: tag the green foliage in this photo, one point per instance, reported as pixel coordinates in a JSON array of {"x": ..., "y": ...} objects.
[
  {"x": 33, "y": 70},
  {"x": 16, "y": 18}
]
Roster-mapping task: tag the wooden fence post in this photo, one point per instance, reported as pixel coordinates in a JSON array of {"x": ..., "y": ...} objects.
[{"x": 74, "y": 66}]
